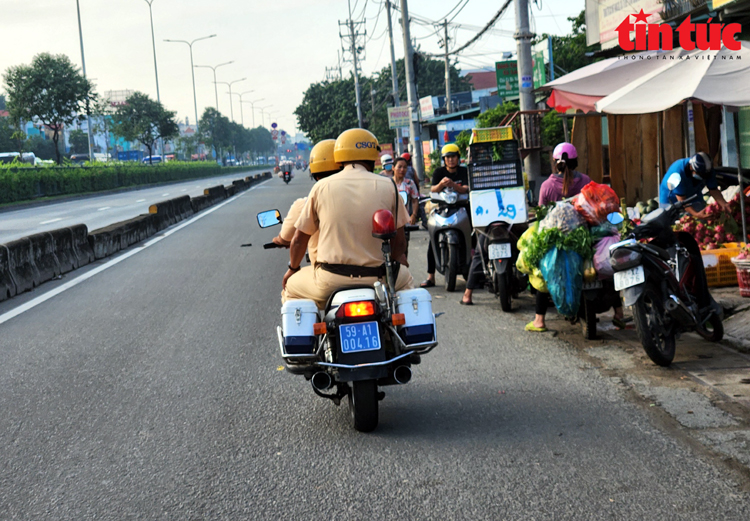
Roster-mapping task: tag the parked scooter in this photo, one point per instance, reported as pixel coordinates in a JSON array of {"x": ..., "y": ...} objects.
[
  {"x": 498, "y": 248},
  {"x": 449, "y": 226},
  {"x": 365, "y": 337},
  {"x": 663, "y": 280}
]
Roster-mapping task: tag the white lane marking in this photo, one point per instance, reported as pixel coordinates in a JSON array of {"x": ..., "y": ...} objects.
[
  {"x": 51, "y": 221},
  {"x": 141, "y": 201},
  {"x": 164, "y": 195},
  {"x": 104, "y": 208},
  {"x": 31, "y": 304},
  {"x": 183, "y": 190}
]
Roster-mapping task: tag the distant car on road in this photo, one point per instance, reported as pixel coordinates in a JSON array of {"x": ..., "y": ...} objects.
[
  {"x": 152, "y": 160},
  {"x": 79, "y": 158}
]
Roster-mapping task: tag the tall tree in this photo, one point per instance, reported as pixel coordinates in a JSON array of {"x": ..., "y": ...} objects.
[
  {"x": 7, "y": 143},
  {"x": 215, "y": 130},
  {"x": 51, "y": 91},
  {"x": 144, "y": 120},
  {"x": 2, "y": 102},
  {"x": 569, "y": 51},
  {"x": 329, "y": 107}
]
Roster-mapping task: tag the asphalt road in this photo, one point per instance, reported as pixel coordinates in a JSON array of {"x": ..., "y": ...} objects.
[
  {"x": 152, "y": 391},
  {"x": 99, "y": 211}
]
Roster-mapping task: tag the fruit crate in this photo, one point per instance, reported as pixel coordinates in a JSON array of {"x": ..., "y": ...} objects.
[{"x": 720, "y": 271}]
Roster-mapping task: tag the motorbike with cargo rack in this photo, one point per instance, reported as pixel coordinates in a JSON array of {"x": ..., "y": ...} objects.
[
  {"x": 499, "y": 209},
  {"x": 364, "y": 338}
]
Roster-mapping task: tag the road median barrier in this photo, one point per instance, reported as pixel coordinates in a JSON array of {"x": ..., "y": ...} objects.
[
  {"x": 7, "y": 286},
  {"x": 230, "y": 190},
  {"x": 215, "y": 194},
  {"x": 165, "y": 213},
  {"x": 64, "y": 249},
  {"x": 22, "y": 267},
  {"x": 45, "y": 256},
  {"x": 182, "y": 207},
  {"x": 81, "y": 246},
  {"x": 240, "y": 185},
  {"x": 105, "y": 241},
  {"x": 200, "y": 202}
]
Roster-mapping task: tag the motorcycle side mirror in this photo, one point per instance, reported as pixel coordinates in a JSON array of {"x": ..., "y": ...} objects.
[
  {"x": 269, "y": 218},
  {"x": 615, "y": 218},
  {"x": 383, "y": 225},
  {"x": 404, "y": 196},
  {"x": 674, "y": 181}
]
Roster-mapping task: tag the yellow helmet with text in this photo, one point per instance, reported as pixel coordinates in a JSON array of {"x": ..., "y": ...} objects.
[
  {"x": 321, "y": 157},
  {"x": 356, "y": 144}
]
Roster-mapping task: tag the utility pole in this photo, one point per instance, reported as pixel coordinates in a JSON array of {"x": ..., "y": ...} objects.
[
  {"x": 448, "y": 103},
  {"x": 394, "y": 77},
  {"x": 523, "y": 37},
  {"x": 83, "y": 63},
  {"x": 415, "y": 130},
  {"x": 354, "y": 49}
]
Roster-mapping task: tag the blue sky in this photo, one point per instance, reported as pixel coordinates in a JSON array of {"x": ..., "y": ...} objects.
[{"x": 281, "y": 47}]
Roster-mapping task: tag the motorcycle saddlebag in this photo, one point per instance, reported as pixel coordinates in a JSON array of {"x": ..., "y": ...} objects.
[
  {"x": 416, "y": 306},
  {"x": 298, "y": 318}
]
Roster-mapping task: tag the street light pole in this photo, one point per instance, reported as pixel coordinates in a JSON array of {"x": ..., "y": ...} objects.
[
  {"x": 252, "y": 107},
  {"x": 192, "y": 68},
  {"x": 263, "y": 114},
  {"x": 156, "y": 70},
  {"x": 242, "y": 111},
  {"x": 83, "y": 63},
  {"x": 231, "y": 101},
  {"x": 213, "y": 68}
]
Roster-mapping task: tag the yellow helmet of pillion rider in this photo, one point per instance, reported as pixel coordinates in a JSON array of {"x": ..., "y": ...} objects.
[
  {"x": 356, "y": 144},
  {"x": 450, "y": 149},
  {"x": 321, "y": 157}
]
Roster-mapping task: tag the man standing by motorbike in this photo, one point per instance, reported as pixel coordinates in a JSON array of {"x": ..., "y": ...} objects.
[
  {"x": 449, "y": 177},
  {"x": 411, "y": 174},
  {"x": 696, "y": 173},
  {"x": 321, "y": 166},
  {"x": 340, "y": 208}
]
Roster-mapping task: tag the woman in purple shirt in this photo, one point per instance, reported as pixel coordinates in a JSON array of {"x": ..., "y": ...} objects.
[{"x": 567, "y": 183}]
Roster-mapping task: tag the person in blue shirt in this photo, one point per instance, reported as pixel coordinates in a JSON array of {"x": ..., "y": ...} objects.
[{"x": 696, "y": 173}]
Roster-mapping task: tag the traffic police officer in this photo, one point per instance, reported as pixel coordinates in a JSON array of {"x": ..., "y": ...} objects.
[{"x": 340, "y": 209}]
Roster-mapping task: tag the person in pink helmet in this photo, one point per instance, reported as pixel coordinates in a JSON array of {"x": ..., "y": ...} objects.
[{"x": 567, "y": 182}]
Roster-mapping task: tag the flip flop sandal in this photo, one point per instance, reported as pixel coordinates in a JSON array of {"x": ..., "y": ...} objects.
[
  {"x": 531, "y": 327},
  {"x": 427, "y": 284},
  {"x": 621, "y": 323},
  {"x": 464, "y": 303}
]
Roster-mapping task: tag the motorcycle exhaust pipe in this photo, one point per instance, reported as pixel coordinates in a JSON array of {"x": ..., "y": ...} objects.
[
  {"x": 402, "y": 374},
  {"x": 321, "y": 381},
  {"x": 679, "y": 311}
]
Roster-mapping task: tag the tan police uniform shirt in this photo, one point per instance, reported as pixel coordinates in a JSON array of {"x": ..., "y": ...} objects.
[
  {"x": 288, "y": 228},
  {"x": 340, "y": 208}
]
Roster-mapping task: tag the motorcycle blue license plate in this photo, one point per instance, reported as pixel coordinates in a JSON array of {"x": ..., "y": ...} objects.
[{"x": 359, "y": 337}]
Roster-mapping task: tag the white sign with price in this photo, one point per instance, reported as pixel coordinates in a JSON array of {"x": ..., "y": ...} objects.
[{"x": 502, "y": 204}]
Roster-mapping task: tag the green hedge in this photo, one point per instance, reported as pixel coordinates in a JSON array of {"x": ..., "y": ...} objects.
[{"x": 24, "y": 184}]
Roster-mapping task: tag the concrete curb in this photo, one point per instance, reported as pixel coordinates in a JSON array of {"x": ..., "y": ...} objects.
[{"x": 27, "y": 262}]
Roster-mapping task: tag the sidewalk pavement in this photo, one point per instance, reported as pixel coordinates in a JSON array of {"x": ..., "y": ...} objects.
[{"x": 736, "y": 317}]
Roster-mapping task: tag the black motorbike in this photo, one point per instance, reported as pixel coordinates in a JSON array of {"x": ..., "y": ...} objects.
[
  {"x": 498, "y": 247},
  {"x": 287, "y": 177},
  {"x": 665, "y": 282}
]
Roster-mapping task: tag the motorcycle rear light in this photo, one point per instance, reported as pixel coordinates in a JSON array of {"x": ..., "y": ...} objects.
[
  {"x": 398, "y": 319},
  {"x": 364, "y": 308},
  {"x": 624, "y": 259},
  {"x": 320, "y": 328}
]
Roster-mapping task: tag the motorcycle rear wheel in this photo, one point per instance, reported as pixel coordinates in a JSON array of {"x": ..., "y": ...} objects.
[
  {"x": 363, "y": 405},
  {"x": 450, "y": 254},
  {"x": 713, "y": 331},
  {"x": 588, "y": 320},
  {"x": 649, "y": 316},
  {"x": 504, "y": 290}
]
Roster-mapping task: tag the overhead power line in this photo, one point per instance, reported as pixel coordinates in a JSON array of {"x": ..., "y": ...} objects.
[{"x": 479, "y": 34}]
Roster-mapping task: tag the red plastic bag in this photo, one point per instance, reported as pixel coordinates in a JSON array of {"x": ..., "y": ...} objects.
[{"x": 596, "y": 202}]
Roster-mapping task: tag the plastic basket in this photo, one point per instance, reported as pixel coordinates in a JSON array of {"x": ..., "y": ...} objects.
[
  {"x": 720, "y": 271},
  {"x": 484, "y": 135},
  {"x": 743, "y": 276}
]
